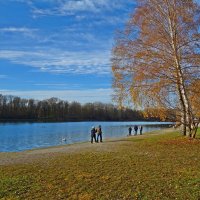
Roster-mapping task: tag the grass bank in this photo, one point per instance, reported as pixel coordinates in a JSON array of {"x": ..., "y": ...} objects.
[{"x": 165, "y": 166}]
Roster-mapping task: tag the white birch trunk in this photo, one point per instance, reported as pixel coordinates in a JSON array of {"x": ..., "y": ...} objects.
[{"x": 186, "y": 109}]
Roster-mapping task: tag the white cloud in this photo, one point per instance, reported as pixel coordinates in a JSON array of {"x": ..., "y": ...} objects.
[
  {"x": 2, "y": 76},
  {"x": 50, "y": 84},
  {"x": 57, "y": 86},
  {"x": 18, "y": 29},
  {"x": 82, "y": 96},
  {"x": 61, "y": 62},
  {"x": 71, "y": 7},
  {"x": 68, "y": 7},
  {"x": 30, "y": 32},
  {"x": 80, "y": 5}
]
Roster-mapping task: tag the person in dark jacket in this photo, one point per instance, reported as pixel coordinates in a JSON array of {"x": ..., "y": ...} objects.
[
  {"x": 99, "y": 134},
  {"x": 141, "y": 128},
  {"x": 93, "y": 134},
  {"x": 129, "y": 130},
  {"x": 136, "y": 129}
]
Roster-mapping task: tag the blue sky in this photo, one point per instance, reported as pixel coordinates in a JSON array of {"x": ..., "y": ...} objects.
[{"x": 59, "y": 48}]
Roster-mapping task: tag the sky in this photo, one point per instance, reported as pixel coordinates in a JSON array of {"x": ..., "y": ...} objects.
[{"x": 59, "y": 48}]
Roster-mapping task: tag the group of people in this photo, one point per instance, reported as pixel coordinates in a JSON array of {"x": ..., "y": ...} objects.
[
  {"x": 96, "y": 134},
  {"x": 135, "y": 129}
]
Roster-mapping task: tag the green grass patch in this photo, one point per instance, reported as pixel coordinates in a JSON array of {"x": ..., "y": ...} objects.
[{"x": 165, "y": 166}]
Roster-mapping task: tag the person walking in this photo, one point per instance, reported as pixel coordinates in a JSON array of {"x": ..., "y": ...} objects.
[
  {"x": 93, "y": 134},
  {"x": 99, "y": 133},
  {"x": 141, "y": 128},
  {"x": 129, "y": 131},
  {"x": 136, "y": 129}
]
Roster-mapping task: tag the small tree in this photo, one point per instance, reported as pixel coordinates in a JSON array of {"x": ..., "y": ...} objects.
[{"x": 157, "y": 58}]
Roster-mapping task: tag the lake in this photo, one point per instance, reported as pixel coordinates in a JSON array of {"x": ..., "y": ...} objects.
[{"x": 24, "y": 136}]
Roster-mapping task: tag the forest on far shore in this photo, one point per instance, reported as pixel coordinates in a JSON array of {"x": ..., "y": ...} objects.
[{"x": 14, "y": 108}]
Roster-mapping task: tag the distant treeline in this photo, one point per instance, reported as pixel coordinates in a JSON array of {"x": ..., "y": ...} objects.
[{"x": 15, "y": 108}]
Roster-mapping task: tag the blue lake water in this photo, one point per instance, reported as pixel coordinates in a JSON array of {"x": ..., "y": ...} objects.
[{"x": 23, "y": 136}]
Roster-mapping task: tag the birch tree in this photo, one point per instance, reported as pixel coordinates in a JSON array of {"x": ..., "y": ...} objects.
[{"x": 156, "y": 58}]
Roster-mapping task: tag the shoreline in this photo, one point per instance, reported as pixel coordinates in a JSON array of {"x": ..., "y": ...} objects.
[
  {"x": 83, "y": 142},
  {"x": 38, "y": 154}
]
